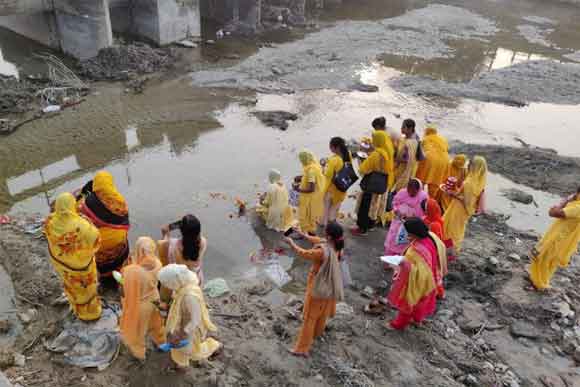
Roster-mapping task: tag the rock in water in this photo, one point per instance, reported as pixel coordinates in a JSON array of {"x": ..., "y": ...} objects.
[
  {"x": 517, "y": 195},
  {"x": 275, "y": 118},
  {"x": 364, "y": 88}
]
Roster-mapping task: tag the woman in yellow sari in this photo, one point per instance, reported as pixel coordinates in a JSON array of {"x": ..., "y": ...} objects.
[
  {"x": 311, "y": 189},
  {"x": 558, "y": 244},
  {"x": 465, "y": 203},
  {"x": 433, "y": 170},
  {"x": 333, "y": 197},
  {"x": 378, "y": 211},
  {"x": 406, "y": 161},
  {"x": 458, "y": 170},
  {"x": 274, "y": 206},
  {"x": 188, "y": 317},
  {"x": 72, "y": 243},
  {"x": 107, "y": 209},
  {"x": 380, "y": 160},
  {"x": 140, "y": 315}
]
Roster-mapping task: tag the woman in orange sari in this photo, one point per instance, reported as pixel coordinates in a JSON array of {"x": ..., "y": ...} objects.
[
  {"x": 140, "y": 316},
  {"x": 72, "y": 244},
  {"x": 317, "y": 308},
  {"x": 107, "y": 209}
]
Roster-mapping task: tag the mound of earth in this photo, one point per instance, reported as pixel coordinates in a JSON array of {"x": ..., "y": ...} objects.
[
  {"x": 518, "y": 85},
  {"x": 120, "y": 62},
  {"x": 540, "y": 169}
]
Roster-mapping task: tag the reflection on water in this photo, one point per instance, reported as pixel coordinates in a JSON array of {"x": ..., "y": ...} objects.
[
  {"x": 505, "y": 58},
  {"x": 475, "y": 58},
  {"x": 169, "y": 150},
  {"x": 42, "y": 176}
]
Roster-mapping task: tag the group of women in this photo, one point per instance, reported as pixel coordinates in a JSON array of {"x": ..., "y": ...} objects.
[
  {"x": 87, "y": 240},
  {"x": 427, "y": 201},
  {"x": 426, "y": 218}
]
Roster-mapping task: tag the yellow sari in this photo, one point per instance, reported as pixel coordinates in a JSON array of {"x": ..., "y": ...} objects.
[
  {"x": 107, "y": 209},
  {"x": 432, "y": 171},
  {"x": 275, "y": 208},
  {"x": 311, "y": 205},
  {"x": 378, "y": 209},
  {"x": 406, "y": 163},
  {"x": 188, "y": 315},
  {"x": 457, "y": 169},
  {"x": 465, "y": 205},
  {"x": 557, "y": 246},
  {"x": 72, "y": 243}
]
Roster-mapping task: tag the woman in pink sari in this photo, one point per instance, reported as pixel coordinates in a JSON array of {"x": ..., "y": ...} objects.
[
  {"x": 406, "y": 204},
  {"x": 414, "y": 289}
]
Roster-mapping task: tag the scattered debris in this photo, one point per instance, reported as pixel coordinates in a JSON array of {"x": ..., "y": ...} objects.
[
  {"x": 216, "y": 287},
  {"x": 5, "y": 326},
  {"x": 187, "y": 43},
  {"x": 29, "y": 316},
  {"x": 118, "y": 63}
]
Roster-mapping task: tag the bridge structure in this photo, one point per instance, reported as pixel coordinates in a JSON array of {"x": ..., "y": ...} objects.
[{"x": 81, "y": 28}]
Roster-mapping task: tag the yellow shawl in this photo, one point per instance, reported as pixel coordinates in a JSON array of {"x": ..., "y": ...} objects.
[{"x": 104, "y": 188}]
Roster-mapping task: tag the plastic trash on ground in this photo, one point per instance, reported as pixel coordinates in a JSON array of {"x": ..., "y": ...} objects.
[
  {"x": 270, "y": 266},
  {"x": 89, "y": 344},
  {"x": 166, "y": 347},
  {"x": 51, "y": 109},
  {"x": 217, "y": 287}
]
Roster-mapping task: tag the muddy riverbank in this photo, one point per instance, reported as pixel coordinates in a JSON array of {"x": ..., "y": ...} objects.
[{"x": 489, "y": 330}]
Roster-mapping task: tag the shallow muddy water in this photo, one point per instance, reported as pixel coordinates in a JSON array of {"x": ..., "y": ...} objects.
[{"x": 174, "y": 147}]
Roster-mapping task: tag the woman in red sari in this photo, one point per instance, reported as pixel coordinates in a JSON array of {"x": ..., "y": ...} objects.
[
  {"x": 414, "y": 290},
  {"x": 434, "y": 221}
]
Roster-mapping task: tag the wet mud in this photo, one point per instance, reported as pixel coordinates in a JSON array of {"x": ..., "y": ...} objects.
[
  {"x": 540, "y": 169},
  {"x": 517, "y": 85},
  {"x": 322, "y": 59}
]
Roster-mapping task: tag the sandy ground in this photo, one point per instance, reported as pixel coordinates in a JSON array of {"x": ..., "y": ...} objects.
[{"x": 489, "y": 330}]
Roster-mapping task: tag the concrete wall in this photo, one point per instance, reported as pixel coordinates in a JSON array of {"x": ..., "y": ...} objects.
[
  {"x": 40, "y": 27},
  {"x": 14, "y": 7},
  {"x": 178, "y": 20},
  {"x": 84, "y": 26},
  {"x": 166, "y": 21}
]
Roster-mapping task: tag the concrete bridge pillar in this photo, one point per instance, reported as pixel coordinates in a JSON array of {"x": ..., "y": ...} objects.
[
  {"x": 83, "y": 26},
  {"x": 166, "y": 21}
]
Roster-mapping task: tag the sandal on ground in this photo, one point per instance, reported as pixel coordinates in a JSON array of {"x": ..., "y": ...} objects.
[{"x": 375, "y": 308}]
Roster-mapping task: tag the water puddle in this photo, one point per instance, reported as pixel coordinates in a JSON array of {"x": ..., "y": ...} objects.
[
  {"x": 172, "y": 148},
  {"x": 523, "y": 217}
]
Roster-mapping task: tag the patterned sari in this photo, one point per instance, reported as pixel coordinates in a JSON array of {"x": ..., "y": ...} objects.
[
  {"x": 107, "y": 209},
  {"x": 72, "y": 244}
]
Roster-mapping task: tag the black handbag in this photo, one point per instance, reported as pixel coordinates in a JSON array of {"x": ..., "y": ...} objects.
[
  {"x": 345, "y": 178},
  {"x": 375, "y": 182}
]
